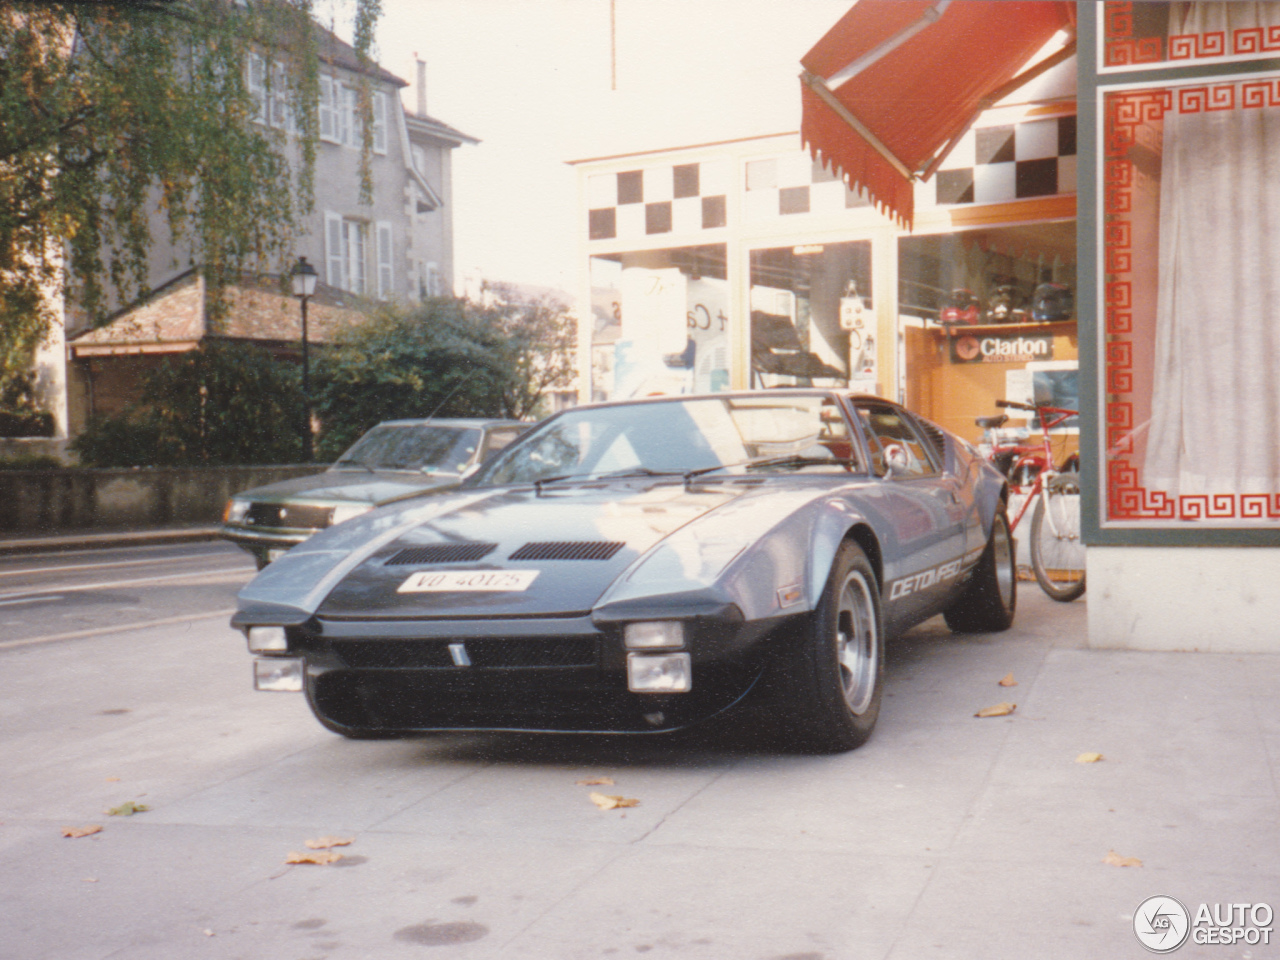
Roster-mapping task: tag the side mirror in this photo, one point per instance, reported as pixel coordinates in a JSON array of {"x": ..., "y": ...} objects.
[{"x": 896, "y": 459}]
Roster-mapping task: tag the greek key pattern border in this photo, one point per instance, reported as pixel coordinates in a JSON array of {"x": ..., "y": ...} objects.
[
  {"x": 1122, "y": 49},
  {"x": 1125, "y": 113}
]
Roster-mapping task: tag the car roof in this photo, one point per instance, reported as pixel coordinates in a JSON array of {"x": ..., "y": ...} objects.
[
  {"x": 470, "y": 422},
  {"x": 730, "y": 394}
]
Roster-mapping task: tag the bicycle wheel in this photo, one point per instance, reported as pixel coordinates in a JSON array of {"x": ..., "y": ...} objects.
[{"x": 1057, "y": 554}]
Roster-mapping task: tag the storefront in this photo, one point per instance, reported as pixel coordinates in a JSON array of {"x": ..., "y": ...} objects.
[{"x": 1180, "y": 344}]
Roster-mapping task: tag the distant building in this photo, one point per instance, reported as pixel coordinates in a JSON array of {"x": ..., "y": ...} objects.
[{"x": 397, "y": 247}]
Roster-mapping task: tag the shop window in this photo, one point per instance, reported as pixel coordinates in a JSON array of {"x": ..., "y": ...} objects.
[
  {"x": 1190, "y": 297},
  {"x": 1149, "y": 33},
  {"x": 811, "y": 317},
  {"x": 660, "y": 322}
]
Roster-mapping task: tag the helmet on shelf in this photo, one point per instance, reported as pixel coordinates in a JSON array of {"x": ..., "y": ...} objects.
[{"x": 1052, "y": 301}]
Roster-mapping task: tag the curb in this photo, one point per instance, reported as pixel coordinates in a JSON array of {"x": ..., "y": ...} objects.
[{"x": 98, "y": 541}]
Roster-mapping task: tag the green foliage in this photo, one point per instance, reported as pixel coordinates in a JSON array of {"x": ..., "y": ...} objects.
[
  {"x": 444, "y": 358},
  {"x": 223, "y": 404},
  {"x": 110, "y": 111}
]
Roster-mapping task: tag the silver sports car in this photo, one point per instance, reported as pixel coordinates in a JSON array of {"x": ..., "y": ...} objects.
[{"x": 638, "y": 567}]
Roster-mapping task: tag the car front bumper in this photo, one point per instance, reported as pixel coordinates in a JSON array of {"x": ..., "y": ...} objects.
[{"x": 548, "y": 675}]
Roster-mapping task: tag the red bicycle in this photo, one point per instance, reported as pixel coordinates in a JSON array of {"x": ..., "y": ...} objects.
[{"x": 1057, "y": 553}]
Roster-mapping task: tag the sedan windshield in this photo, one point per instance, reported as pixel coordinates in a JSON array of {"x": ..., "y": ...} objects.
[
  {"x": 431, "y": 449},
  {"x": 681, "y": 436}
]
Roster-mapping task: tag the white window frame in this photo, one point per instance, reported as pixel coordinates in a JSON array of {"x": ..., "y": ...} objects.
[
  {"x": 346, "y": 251},
  {"x": 380, "y": 129},
  {"x": 278, "y": 98},
  {"x": 256, "y": 84},
  {"x": 348, "y": 112},
  {"x": 385, "y": 254},
  {"x": 328, "y": 115}
]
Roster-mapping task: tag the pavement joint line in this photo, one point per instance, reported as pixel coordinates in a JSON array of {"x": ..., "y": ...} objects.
[
  {"x": 122, "y": 628},
  {"x": 202, "y": 575}
]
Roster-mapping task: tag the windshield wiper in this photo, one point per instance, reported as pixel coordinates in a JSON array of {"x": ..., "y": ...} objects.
[
  {"x": 791, "y": 460},
  {"x": 611, "y": 475}
]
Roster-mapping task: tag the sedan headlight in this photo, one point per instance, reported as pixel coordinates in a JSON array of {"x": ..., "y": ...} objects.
[
  {"x": 235, "y": 511},
  {"x": 653, "y": 635},
  {"x": 345, "y": 511}
]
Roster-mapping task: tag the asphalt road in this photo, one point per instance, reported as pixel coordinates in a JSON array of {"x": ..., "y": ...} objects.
[{"x": 946, "y": 836}]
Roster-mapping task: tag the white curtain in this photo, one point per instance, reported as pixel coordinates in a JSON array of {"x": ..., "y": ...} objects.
[{"x": 1215, "y": 423}]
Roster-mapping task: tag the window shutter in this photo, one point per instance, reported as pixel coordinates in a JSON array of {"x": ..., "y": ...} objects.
[
  {"x": 356, "y": 236},
  {"x": 334, "y": 258},
  {"x": 328, "y": 126},
  {"x": 281, "y": 115},
  {"x": 386, "y": 276},
  {"x": 347, "y": 117},
  {"x": 258, "y": 87},
  {"x": 379, "y": 122}
]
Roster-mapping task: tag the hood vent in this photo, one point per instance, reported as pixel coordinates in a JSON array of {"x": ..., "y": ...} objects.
[
  {"x": 442, "y": 553},
  {"x": 567, "y": 550}
]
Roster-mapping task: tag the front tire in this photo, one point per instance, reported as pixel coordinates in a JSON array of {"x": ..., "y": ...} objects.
[
  {"x": 1057, "y": 553},
  {"x": 988, "y": 603},
  {"x": 835, "y": 681}
]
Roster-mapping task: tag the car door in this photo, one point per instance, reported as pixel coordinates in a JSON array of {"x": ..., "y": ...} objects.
[{"x": 922, "y": 510}]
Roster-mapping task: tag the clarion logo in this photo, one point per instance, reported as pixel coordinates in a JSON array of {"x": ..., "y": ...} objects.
[
  {"x": 1022, "y": 347},
  {"x": 997, "y": 349}
]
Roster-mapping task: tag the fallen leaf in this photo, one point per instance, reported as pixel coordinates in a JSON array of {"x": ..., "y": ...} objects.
[
  {"x": 81, "y": 831},
  {"x": 1008, "y": 681},
  {"x": 322, "y": 857},
  {"x": 128, "y": 809},
  {"x": 113, "y": 779},
  {"x": 1089, "y": 758},
  {"x": 88, "y": 879},
  {"x": 208, "y": 933},
  {"x": 324, "y": 843},
  {"x": 1115, "y": 860},
  {"x": 606, "y": 802},
  {"x": 596, "y": 782},
  {"x": 999, "y": 710}
]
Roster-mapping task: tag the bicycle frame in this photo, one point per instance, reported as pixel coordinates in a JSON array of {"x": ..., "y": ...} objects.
[{"x": 1049, "y": 418}]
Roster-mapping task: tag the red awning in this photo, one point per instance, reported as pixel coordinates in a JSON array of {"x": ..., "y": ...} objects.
[{"x": 892, "y": 86}]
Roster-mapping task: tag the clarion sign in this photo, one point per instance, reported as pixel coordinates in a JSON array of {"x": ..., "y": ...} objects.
[{"x": 1000, "y": 349}]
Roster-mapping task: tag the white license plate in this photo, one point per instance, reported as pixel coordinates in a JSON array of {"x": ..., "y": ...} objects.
[{"x": 450, "y": 581}]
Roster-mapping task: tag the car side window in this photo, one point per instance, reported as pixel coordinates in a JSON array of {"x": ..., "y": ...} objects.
[
  {"x": 496, "y": 440},
  {"x": 886, "y": 426}
]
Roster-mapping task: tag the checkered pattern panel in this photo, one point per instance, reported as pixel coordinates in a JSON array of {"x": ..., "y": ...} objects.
[
  {"x": 1012, "y": 162},
  {"x": 684, "y": 198},
  {"x": 791, "y": 184}
]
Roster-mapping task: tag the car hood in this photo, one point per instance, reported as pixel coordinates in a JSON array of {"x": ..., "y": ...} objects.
[
  {"x": 343, "y": 486},
  {"x": 575, "y": 540}
]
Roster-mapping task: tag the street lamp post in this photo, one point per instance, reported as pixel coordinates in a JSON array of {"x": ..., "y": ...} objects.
[{"x": 304, "y": 285}]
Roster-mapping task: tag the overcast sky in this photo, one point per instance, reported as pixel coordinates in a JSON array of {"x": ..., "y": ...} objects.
[{"x": 531, "y": 79}]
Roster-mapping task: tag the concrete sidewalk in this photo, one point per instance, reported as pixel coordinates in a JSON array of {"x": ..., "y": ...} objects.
[{"x": 946, "y": 836}]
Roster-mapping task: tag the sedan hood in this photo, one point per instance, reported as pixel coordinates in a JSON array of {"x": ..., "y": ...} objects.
[
  {"x": 565, "y": 546},
  {"x": 343, "y": 486}
]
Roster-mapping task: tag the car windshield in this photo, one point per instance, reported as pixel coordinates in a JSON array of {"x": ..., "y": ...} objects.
[
  {"x": 410, "y": 446},
  {"x": 768, "y": 432}
]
